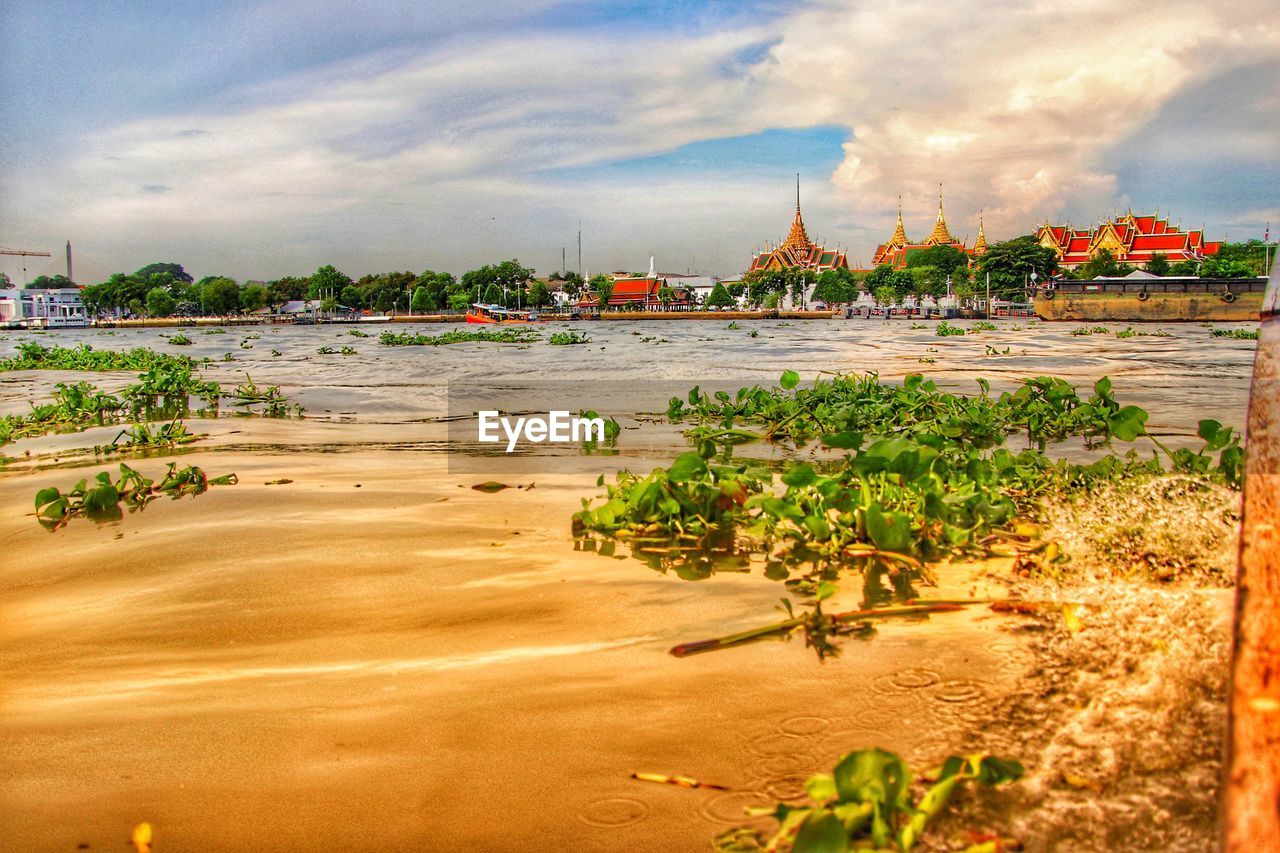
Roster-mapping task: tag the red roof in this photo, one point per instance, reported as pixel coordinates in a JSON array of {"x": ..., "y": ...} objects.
[{"x": 1158, "y": 242}]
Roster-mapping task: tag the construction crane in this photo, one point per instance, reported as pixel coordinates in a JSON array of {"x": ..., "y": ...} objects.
[{"x": 25, "y": 254}]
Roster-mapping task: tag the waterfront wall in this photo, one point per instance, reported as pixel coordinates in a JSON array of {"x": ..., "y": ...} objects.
[{"x": 1157, "y": 307}]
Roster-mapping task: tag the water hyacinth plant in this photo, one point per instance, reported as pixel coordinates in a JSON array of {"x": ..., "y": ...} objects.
[
  {"x": 866, "y": 804},
  {"x": 458, "y": 336},
  {"x": 101, "y": 500}
]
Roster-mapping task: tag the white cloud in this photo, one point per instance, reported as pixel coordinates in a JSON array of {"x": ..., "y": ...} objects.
[{"x": 436, "y": 160}]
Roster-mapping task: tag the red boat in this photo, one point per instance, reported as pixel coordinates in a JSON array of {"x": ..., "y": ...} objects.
[{"x": 480, "y": 313}]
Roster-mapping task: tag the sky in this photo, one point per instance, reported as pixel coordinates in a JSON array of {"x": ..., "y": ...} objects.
[{"x": 260, "y": 139}]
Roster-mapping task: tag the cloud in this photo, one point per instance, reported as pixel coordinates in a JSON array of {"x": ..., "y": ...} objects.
[{"x": 447, "y": 155}]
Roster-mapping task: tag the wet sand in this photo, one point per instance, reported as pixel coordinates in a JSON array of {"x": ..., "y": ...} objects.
[{"x": 376, "y": 656}]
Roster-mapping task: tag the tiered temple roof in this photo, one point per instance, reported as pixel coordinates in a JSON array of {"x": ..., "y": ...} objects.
[
  {"x": 798, "y": 251},
  {"x": 895, "y": 251},
  {"x": 1133, "y": 239}
]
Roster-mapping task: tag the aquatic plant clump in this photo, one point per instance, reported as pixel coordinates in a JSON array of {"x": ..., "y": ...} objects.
[
  {"x": 1044, "y": 408},
  {"x": 101, "y": 501},
  {"x": 866, "y": 803},
  {"x": 1237, "y": 334},
  {"x": 945, "y": 329},
  {"x": 561, "y": 339},
  {"x": 458, "y": 336},
  {"x": 33, "y": 356}
]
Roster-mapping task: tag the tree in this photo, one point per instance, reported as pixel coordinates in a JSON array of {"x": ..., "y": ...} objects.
[
  {"x": 421, "y": 303},
  {"x": 945, "y": 258},
  {"x": 602, "y": 287},
  {"x": 253, "y": 297},
  {"x": 1158, "y": 265},
  {"x": 159, "y": 302},
  {"x": 962, "y": 284},
  {"x": 719, "y": 297},
  {"x": 887, "y": 294},
  {"x": 1249, "y": 256},
  {"x": 219, "y": 296},
  {"x": 1226, "y": 265},
  {"x": 1185, "y": 268},
  {"x": 288, "y": 289},
  {"x": 928, "y": 281},
  {"x": 5, "y": 281},
  {"x": 836, "y": 285},
  {"x": 46, "y": 282},
  {"x": 1102, "y": 264},
  {"x": 327, "y": 280},
  {"x": 175, "y": 270},
  {"x": 1011, "y": 262},
  {"x": 666, "y": 295},
  {"x": 539, "y": 294},
  {"x": 492, "y": 295},
  {"x": 459, "y": 301},
  {"x": 352, "y": 296}
]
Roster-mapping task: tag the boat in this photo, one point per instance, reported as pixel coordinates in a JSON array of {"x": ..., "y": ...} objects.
[
  {"x": 481, "y": 313},
  {"x": 1167, "y": 299}
]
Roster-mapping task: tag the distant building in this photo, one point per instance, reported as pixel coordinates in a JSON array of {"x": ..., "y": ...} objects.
[
  {"x": 798, "y": 251},
  {"x": 639, "y": 293},
  {"x": 1132, "y": 239},
  {"x": 899, "y": 248},
  {"x": 38, "y": 309}
]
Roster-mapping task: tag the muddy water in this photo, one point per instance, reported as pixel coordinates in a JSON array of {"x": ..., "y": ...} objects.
[{"x": 376, "y": 656}]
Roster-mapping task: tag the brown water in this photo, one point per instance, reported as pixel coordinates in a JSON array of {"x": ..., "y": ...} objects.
[{"x": 376, "y": 656}]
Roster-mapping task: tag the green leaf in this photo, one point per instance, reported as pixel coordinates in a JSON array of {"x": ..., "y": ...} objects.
[
  {"x": 48, "y": 495},
  {"x": 847, "y": 440},
  {"x": 688, "y": 466},
  {"x": 821, "y": 788},
  {"x": 822, "y": 832},
  {"x": 789, "y": 380},
  {"x": 800, "y": 475},
  {"x": 890, "y": 531},
  {"x": 1128, "y": 423}
]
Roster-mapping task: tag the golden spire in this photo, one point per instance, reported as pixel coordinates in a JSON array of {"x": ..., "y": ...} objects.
[
  {"x": 980, "y": 244},
  {"x": 798, "y": 238},
  {"x": 899, "y": 238},
  {"x": 940, "y": 233}
]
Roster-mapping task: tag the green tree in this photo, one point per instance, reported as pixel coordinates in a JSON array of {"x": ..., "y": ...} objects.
[
  {"x": 928, "y": 281},
  {"x": 50, "y": 282},
  {"x": 5, "y": 281},
  {"x": 219, "y": 296},
  {"x": 666, "y": 295},
  {"x": 459, "y": 301},
  {"x": 945, "y": 258},
  {"x": 539, "y": 294},
  {"x": 352, "y": 296},
  {"x": 1011, "y": 262},
  {"x": 719, "y": 297},
  {"x": 288, "y": 289},
  {"x": 1104, "y": 263},
  {"x": 887, "y": 294},
  {"x": 1185, "y": 268},
  {"x": 421, "y": 303},
  {"x": 1226, "y": 265},
  {"x": 1158, "y": 265},
  {"x": 602, "y": 287},
  {"x": 327, "y": 280},
  {"x": 492, "y": 295},
  {"x": 253, "y": 297},
  {"x": 160, "y": 303},
  {"x": 834, "y": 286},
  {"x": 175, "y": 270}
]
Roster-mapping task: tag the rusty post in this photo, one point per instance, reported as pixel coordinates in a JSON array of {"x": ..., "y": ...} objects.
[{"x": 1251, "y": 803}]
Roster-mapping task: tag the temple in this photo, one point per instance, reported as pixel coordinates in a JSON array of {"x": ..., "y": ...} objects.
[
  {"x": 1131, "y": 239},
  {"x": 798, "y": 251},
  {"x": 899, "y": 247}
]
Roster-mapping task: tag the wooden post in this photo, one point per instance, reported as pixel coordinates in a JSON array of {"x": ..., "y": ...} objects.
[{"x": 1251, "y": 803}]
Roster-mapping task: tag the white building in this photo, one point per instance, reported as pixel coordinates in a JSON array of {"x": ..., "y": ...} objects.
[{"x": 42, "y": 309}]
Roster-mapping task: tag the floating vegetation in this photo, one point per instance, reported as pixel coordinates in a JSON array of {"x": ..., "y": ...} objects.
[
  {"x": 275, "y": 353},
  {"x": 180, "y": 340},
  {"x": 561, "y": 339},
  {"x": 273, "y": 402},
  {"x": 866, "y": 803},
  {"x": 228, "y": 357},
  {"x": 356, "y": 333},
  {"x": 919, "y": 325},
  {"x": 148, "y": 437},
  {"x": 101, "y": 501},
  {"x": 982, "y": 326},
  {"x": 348, "y": 351},
  {"x": 1084, "y": 331},
  {"x": 326, "y": 351},
  {"x": 945, "y": 329},
  {"x": 214, "y": 332},
  {"x": 458, "y": 336},
  {"x": 993, "y": 351},
  {"x": 33, "y": 356},
  {"x": 1237, "y": 334},
  {"x": 1131, "y": 332},
  {"x": 754, "y": 333},
  {"x": 733, "y": 326}
]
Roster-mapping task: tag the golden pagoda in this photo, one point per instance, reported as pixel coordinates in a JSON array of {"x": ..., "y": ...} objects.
[
  {"x": 798, "y": 251},
  {"x": 980, "y": 244},
  {"x": 899, "y": 238},
  {"x": 940, "y": 236}
]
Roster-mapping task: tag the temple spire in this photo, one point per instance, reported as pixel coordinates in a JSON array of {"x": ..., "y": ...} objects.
[
  {"x": 899, "y": 238},
  {"x": 980, "y": 244},
  {"x": 940, "y": 233},
  {"x": 798, "y": 238}
]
